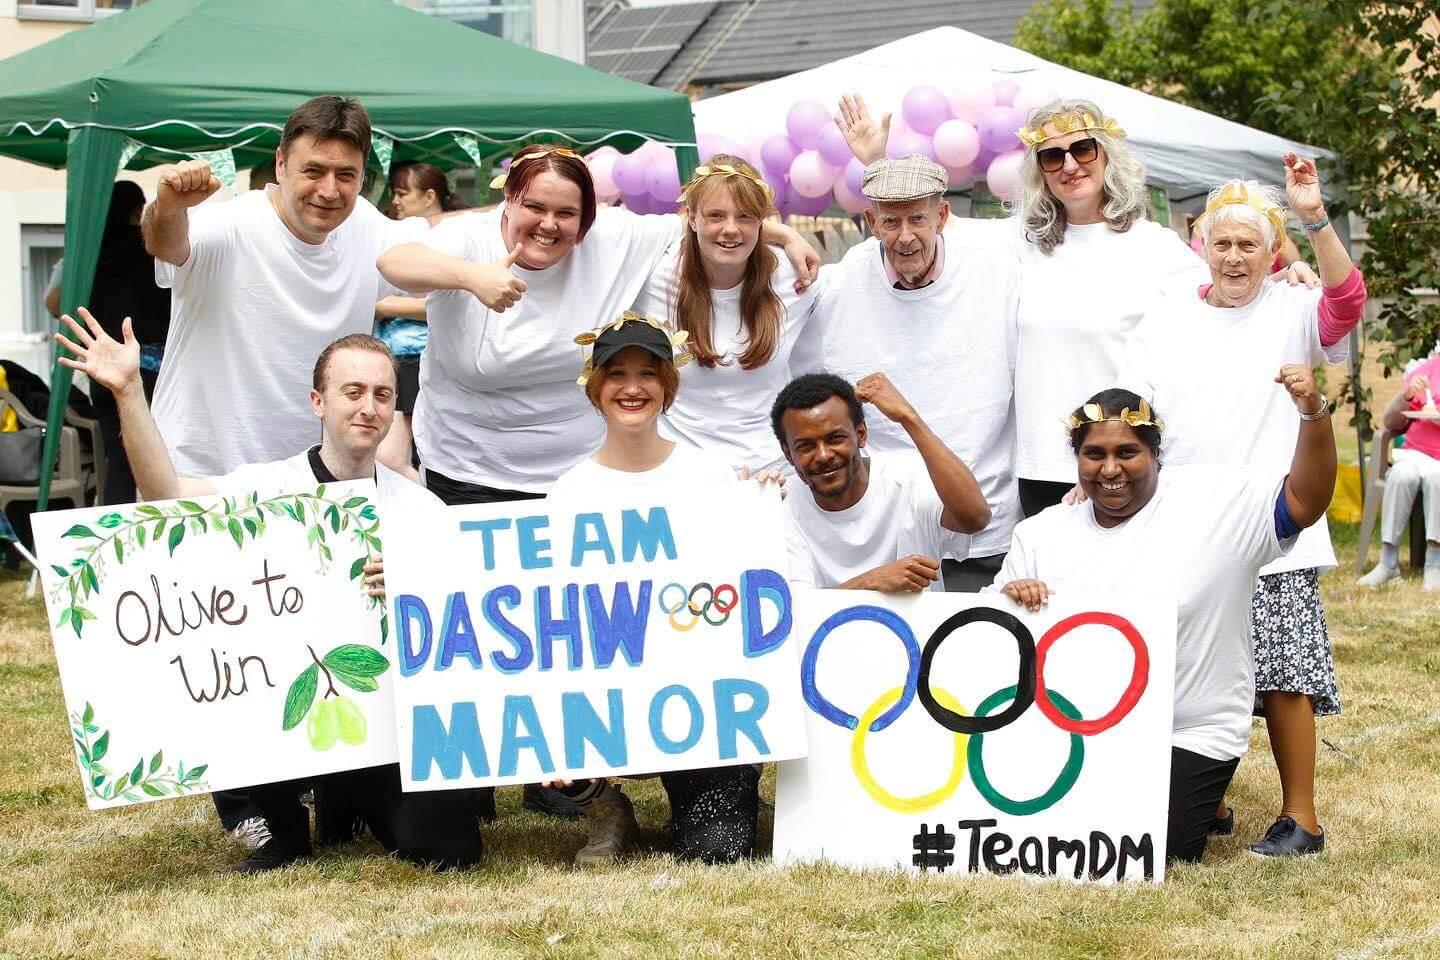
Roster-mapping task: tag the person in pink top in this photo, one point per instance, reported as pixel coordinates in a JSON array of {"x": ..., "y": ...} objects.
[{"x": 1414, "y": 468}]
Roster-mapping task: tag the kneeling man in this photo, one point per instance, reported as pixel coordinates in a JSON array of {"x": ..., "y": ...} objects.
[
  {"x": 873, "y": 522},
  {"x": 353, "y": 397}
]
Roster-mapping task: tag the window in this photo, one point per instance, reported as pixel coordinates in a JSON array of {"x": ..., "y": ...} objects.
[
  {"x": 82, "y": 10},
  {"x": 511, "y": 20},
  {"x": 40, "y": 250}
]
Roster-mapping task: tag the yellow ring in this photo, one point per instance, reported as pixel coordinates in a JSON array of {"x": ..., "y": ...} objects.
[
  {"x": 884, "y": 797},
  {"x": 674, "y": 623}
]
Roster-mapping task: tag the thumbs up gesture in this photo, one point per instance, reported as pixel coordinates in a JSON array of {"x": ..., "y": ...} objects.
[
  {"x": 494, "y": 285},
  {"x": 186, "y": 184}
]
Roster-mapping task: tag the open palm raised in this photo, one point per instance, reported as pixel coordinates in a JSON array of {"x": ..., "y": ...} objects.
[
  {"x": 111, "y": 364},
  {"x": 1302, "y": 188}
]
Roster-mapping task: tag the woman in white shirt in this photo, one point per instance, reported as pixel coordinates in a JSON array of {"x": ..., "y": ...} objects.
[
  {"x": 1201, "y": 533},
  {"x": 1251, "y": 327},
  {"x": 631, "y": 379},
  {"x": 737, "y": 301}
]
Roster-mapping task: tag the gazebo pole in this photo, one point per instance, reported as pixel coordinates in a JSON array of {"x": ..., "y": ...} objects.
[{"x": 92, "y": 160}]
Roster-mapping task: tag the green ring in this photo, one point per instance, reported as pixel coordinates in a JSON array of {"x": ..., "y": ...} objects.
[{"x": 1058, "y": 789}]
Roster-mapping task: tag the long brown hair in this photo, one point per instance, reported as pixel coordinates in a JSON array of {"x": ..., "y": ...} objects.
[{"x": 761, "y": 312}]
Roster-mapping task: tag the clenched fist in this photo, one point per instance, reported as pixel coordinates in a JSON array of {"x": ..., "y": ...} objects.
[{"x": 186, "y": 184}]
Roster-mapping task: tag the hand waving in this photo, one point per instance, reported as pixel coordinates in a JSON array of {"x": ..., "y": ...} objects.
[
  {"x": 866, "y": 138},
  {"x": 1302, "y": 188},
  {"x": 115, "y": 366}
]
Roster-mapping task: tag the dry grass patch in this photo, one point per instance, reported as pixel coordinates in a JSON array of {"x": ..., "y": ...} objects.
[{"x": 151, "y": 880}]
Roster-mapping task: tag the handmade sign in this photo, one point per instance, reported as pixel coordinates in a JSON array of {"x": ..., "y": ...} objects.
[
  {"x": 541, "y": 640},
  {"x": 959, "y": 733},
  {"x": 218, "y": 642}
]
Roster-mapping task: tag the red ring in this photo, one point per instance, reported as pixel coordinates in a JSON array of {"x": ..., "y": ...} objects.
[
  {"x": 1139, "y": 677},
  {"x": 716, "y": 598}
]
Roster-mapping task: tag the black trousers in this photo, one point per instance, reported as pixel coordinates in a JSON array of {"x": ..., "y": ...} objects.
[
  {"x": 1037, "y": 495},
  {"x": 713, "y": 812},
  {"x": 1197, "y": 784},
  {"x": 453, "y": 491},
  {"x": 970, "y": 576},
  {"x": 434, "y": 828}
]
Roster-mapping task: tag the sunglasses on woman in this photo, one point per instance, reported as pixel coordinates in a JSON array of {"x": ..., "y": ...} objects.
[{"x": 1053, "y": 158}]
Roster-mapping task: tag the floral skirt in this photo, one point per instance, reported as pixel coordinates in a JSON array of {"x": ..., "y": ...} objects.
[{"x": 1292, "y": 644}]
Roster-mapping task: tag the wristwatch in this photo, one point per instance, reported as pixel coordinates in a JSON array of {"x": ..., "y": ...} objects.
[{"x": 1324, "y": 409}]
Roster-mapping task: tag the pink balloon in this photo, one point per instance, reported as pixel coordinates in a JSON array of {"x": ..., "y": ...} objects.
[
  {"x": 630, "y": 171},
  {"x": 997, "y": 129},
  {"x": 907, "y": 142},
  {"x": 1005, "y": 90},
  {"x": 602, "y": 171},
  {"x": 811, "y": 176},
  {"x": 956, "y": 143},
  {"x": 853, "y": 175},
  {"x": 832, "y": 146},
  {"x": 1003, "y": 177},
  {"x": 776, "y": 155},
  {"x": 851, "y": 201},
  {"x": 804, "y": 205},
  {"x": 1033, "y": 94},
  {"x": 971, "y": 97},
  {"x": 982, "y": 161},
  {"x": 654, "y": 150},
  {"x": 805, "y": 121},
  {"x": 925, "y": 108},
  {"x": 959, "y": 176},
  {"x": 662, "y": 180}
]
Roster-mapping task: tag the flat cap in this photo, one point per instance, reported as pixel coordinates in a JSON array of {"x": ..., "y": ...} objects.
[{"x": 909, "y": 178}]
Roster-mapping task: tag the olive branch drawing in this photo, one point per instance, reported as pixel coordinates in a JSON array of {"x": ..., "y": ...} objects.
[
  {"x": 354, "y": 665},
  {"x": 153, "y": 779},
  {"x": 125, "y": 534}
]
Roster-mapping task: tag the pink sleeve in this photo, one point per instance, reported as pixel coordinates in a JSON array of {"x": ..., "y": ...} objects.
[{"x": 1341, "y": 307}]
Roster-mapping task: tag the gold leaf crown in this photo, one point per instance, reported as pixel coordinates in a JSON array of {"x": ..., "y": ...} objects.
[
  {"x": 677, "y": 338},
  {"x": 704, "y": 171},
  {"x": 1237, "y": 193},
  {"x": 1072, "y": 122},
  {"x": 1091, "y": 413},
  {"x": 499, "y": 181}
]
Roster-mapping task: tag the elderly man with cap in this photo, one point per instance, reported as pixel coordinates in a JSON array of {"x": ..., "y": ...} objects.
[{"x": 931, "y": 300}]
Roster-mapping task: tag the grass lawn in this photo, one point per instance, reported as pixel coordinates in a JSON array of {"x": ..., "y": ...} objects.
[{"x": 152, "y": 880}]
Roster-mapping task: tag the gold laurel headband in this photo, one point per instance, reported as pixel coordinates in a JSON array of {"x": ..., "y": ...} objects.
[
  {"x": 1091, "y": 413},
  {"x": 499, "y": 181},
  {"x": 1072, "y": 122},
  {"x": 677, "y": 339},
  {"x": 721, "y": 170},
  {"x": 1235, "y": 192}
]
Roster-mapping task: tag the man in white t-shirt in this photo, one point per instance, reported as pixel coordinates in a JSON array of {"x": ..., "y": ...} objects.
[
  {"x": 261, "y": 284},
  {"x": 931, "y": 299},
  {"x": 868, "y": 523},
  {"x": 353, "y": 397}
]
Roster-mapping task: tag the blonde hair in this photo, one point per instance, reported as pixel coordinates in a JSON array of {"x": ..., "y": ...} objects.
[
  {"x": 1217, "y": 214},
  {"x": 1125, "y": 197},
  {"x": 761, "y": 313}
]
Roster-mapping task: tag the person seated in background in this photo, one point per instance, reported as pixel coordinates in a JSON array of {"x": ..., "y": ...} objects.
[
  {"x": 868, "y": 522},
  {"x": 1414, "y": 468},
  {"x": 353, "y": 397}
]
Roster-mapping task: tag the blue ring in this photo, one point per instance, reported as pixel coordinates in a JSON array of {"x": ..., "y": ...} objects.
[
  {"x": 660, "y": 598},
  {"x": 833, "y": 713}
]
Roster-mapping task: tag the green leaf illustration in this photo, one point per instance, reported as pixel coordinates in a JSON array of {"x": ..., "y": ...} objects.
[
  {"x": 355, "y": 681},
  {"x": 195, "y": 774},
  {"x": 88, "y": 715},
  {"x": 119, "y": 550},
  {"x": 101, "y": 746},
  {"x": 236, "y": 533},
  {"x": 64, "y": 616},
  {"x": 155, "y": 761},
  {"x": 354, "y": 502},
  {"x": 147, "y": 510},
  {"x": 110, "y": 521},
  {"x": 300, "y": 697},
  {"x": 354, "y": 658},
  {"x": 80, "y": 530},
  {"x": 320, "y": 491},
  {"x": 139, "y": 772},
  {"x": 60, "y": 571},
  {"x": 357, "y": 568},
  {"x": 91, "y": 581},
  {"x": 177, "y": 533},
  {"x": 384, "y": 626},
  {"x": 140, "y": 534},
  {"x": 152, "y": 791},
  {"x": 251, "y": 527},
  {"x": 192, "y": 506}
]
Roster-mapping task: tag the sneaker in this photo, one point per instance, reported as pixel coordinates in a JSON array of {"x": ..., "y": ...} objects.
[
  {"x": 271, "y": 855},
  {"x": 1380, "y": 576},
  {"x": 1432, "y": 577},
  {"x": 549, "y": 802},
  {"x": 610, "y": 821},
  {"x": 1286, "y": 838},
  {"x": 1224, "y": 826},
  {"x": 253, "y": 833}
]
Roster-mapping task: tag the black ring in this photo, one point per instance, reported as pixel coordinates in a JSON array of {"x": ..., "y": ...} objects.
[
  {"x": 690, "y": 599},
  {"x": 1024, "y": 685}
]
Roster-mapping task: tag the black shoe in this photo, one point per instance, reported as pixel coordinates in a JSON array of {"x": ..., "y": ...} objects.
[
  {"x": 1224, "y": 826},
  {"x": 1286, "y": 838},
  {"x": 550, "y": 802},
  {"x": 271, "y": 855},
  {"x": 336, "y": 819}
]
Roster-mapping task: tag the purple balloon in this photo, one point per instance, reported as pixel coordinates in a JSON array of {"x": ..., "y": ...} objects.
[
  {"x": 715, "y": 144},
  {"x": 997, "y": 129},
  {"x": 805, "y": 206},
  {"x": 805, "y": 121},
  {"x": 925, "y": 108},
  {"x": 1005, "y": 90},
  {"x": 982, "y": 161},
  {"x": 776, "y": 155},
  {"x": 832, "y": 146},
  {"x": 854, "y": 174},
  {"x": 638, "y": 202},
  {"x": 630, "y": 172},
  {"x": 906, "y": 142},
  {"x": 662, "y": 181}
]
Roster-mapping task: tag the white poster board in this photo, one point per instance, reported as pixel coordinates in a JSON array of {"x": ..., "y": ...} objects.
[
  {"x": 541, "y": 640},
  {"x": 218, "y": 642},
  {"x": 887, "y": 785}
]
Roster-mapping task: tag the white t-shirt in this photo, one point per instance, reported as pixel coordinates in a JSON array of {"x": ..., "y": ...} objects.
[
  {"x": 498, "y": 404},
  {"x": 1203, "y": 536},
  {"x": 725, "y": 408},
  {"x": 268, "y": 479},
  {"x": 950, "y": 349},
  {"x": 1078, "y": 307},
  {"x": 250, "y": 312},
  {"x": 1210, "y": 374},
  {"x": 684, "y": 469},
  {"x": 899, "y": 516}
]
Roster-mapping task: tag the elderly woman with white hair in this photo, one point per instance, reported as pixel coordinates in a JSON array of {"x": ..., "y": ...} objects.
[{"x": 1201, "y": 357}]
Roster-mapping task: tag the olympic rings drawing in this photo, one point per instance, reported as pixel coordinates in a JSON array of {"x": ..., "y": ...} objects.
[
  {"x": 701, "y": 611},
  {"x": 945, "y": 710}
]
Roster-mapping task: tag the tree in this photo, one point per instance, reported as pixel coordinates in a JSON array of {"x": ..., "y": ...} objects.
[{"x": 1359, "y": 78}]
